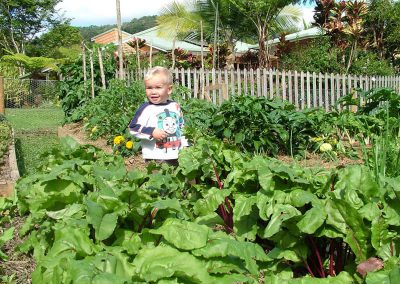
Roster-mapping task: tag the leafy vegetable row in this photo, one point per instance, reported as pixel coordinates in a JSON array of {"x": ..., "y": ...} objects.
[{"x": 246, "y": 218}]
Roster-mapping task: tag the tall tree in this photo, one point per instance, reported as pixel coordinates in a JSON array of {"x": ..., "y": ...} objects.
[
  {"x": 382, "y": 26},
  {"x": 231, "y": 24},
  {"x": 22, "y": 20},
  {"x": 265, "y": 15},
  {"x": 51, "y": 43}
]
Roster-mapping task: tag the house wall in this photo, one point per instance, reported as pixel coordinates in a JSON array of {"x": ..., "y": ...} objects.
[{"x": 109, "y": 37}]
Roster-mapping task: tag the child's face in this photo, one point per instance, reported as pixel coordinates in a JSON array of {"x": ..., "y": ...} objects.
[{"x": 157, "y": 90}]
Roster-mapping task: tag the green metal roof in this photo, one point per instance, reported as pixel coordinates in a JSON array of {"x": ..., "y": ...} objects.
[
  {"x": 304, "y": 34},
  {"x": 152, "y": 38}
]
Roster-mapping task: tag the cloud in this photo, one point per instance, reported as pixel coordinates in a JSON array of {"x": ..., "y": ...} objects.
[{"x": 101, "y": 12}]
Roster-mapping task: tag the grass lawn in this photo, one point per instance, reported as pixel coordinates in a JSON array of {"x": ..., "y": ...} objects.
[{"x": 35, "y": 133}]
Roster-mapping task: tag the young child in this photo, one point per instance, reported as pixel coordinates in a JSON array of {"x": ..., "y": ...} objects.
[{"x": 158, "y": 123}]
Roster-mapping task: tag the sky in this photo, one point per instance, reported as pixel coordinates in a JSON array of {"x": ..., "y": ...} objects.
[{"x": 102, "y": 12}]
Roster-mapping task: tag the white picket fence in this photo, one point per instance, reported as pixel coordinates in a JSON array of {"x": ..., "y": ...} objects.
[{"x": 303, "y": 89}]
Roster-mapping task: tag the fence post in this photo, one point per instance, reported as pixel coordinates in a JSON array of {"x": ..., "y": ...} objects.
[{"x": 1, "y": 95}]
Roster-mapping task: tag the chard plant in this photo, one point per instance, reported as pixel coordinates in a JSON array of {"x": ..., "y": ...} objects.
[{"x": 91, "y": 220}]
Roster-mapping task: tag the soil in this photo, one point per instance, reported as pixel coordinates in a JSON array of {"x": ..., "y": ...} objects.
[
  {"x": 315, "y": 160},
  {"x": 18, "y": 267}
]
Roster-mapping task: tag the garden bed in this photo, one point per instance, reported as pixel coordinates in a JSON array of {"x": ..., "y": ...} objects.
[{"x": 8, "y": 170}]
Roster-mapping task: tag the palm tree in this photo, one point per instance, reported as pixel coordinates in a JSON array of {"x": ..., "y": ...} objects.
[
  {"x": 176, "y": 21},
  {"x": 266, "y": 17}
]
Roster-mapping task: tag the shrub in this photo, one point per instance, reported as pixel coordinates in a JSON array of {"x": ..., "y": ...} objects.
[{"x": 317, "y": 56}]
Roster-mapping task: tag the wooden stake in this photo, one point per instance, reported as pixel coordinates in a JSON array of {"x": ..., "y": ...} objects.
[
  {"x": 120, "y": 49},
  {"x": 91, "y": 72},
  {"x": 103, "y": 78},
  {"x": 151, "y": 54},
  {"x": 138, "y": 54},
  {"x": 201, "y": 45},
  {"x": 84, "y": 65},
  {"x": 2, "y": 109}
]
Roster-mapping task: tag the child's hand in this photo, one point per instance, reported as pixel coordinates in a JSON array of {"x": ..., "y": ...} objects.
[{"x": 159, "y": 134}]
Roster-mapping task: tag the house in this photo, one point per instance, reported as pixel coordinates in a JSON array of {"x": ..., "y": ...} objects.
[
  {"x": 109, "y": 36},
  {"x": 160, "y": 44}
]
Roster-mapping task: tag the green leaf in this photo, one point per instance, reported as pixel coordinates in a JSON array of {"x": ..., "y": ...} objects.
[
  {"x": 172, "y": 204},
  {"x": 357, "y": 233},
  {"x": 211, "y": 200},
  {"x": 384, "y": 277},
  {"x": 182, "y": 234},
  {"x": 153, "y": 264},
  {"x": 103, "y": 223},
  {"x": 222, "y": 247},
  {"x": 281, "y": 214},
  {"x": 277, "y": 253},
  {"x": 342, "y": 278},
  {"x": 299, "y": 197},
  {"x": 128, "y": 240},
  {"x": 114, "y": 262},
  {"x": 69, "y": 242},
  {"x": 239, "y": 137},
  {"x": 67, "y": 212},
  {"x": 6, "y": 236},
  {"x": 357, "y": 178},
  {"x": 334, "y": 217},
  {"x": 227, "y": 133},
  {"x": 312, "y": 220},
  {"x": 243, "y": 205}
]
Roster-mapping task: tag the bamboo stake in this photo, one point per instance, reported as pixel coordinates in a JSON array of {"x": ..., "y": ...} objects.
[
  {"x": 2, "y": 109},
  {"x": 151, "y": 54},
  {"x": 91, "y": 72},
  {"x": 120, "y": 50},
  {"x": 84, "y": 65},
  {"x": 201, "y": 45},
  {"x": 103, "y": 78},
  {"x": 137, "y": 53}
]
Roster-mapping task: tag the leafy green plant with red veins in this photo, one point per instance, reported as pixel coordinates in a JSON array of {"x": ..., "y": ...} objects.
[{"x": 89, "y": 217}]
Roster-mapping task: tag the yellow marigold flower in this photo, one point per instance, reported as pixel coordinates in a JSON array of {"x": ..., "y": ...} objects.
[
  {"x": 129, "y": 145},
  {"x": 325, "y": 147},
  {"x": 118, "y": 140}
]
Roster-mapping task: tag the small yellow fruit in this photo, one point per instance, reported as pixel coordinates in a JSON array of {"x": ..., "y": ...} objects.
[{"x": 325, "y": 147}]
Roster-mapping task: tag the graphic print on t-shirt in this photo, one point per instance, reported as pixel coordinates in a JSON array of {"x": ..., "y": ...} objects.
[{"x": 169, "y": 122}]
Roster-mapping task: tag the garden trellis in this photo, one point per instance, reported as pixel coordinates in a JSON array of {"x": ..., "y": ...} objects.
[{"x": 303, "y": 89}]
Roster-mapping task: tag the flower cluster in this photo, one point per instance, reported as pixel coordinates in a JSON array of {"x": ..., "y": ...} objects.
[{"x": 123, "y": 146}]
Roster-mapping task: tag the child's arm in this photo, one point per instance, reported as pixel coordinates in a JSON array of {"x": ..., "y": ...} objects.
[
  {"x": 139, "y": 128},
  {"x": 138, "y": 125}
]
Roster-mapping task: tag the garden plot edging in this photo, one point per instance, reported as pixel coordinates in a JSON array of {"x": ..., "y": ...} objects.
[{"x": 10, "y": 173}]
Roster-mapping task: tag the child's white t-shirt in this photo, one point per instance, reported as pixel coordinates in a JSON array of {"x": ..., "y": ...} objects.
[{"x": 166, "y": 116}]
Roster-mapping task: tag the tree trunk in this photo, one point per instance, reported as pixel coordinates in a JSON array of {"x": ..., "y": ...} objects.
[
  {"x": 262, "y": 50},
  {"x": 352, "y": 53}
]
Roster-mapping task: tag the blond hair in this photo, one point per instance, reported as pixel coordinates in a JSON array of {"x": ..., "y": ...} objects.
[{"x": 157, "y": 70}]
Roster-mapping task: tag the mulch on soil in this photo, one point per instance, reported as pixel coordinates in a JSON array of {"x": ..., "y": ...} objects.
[{"x": 19, "y": 266}]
